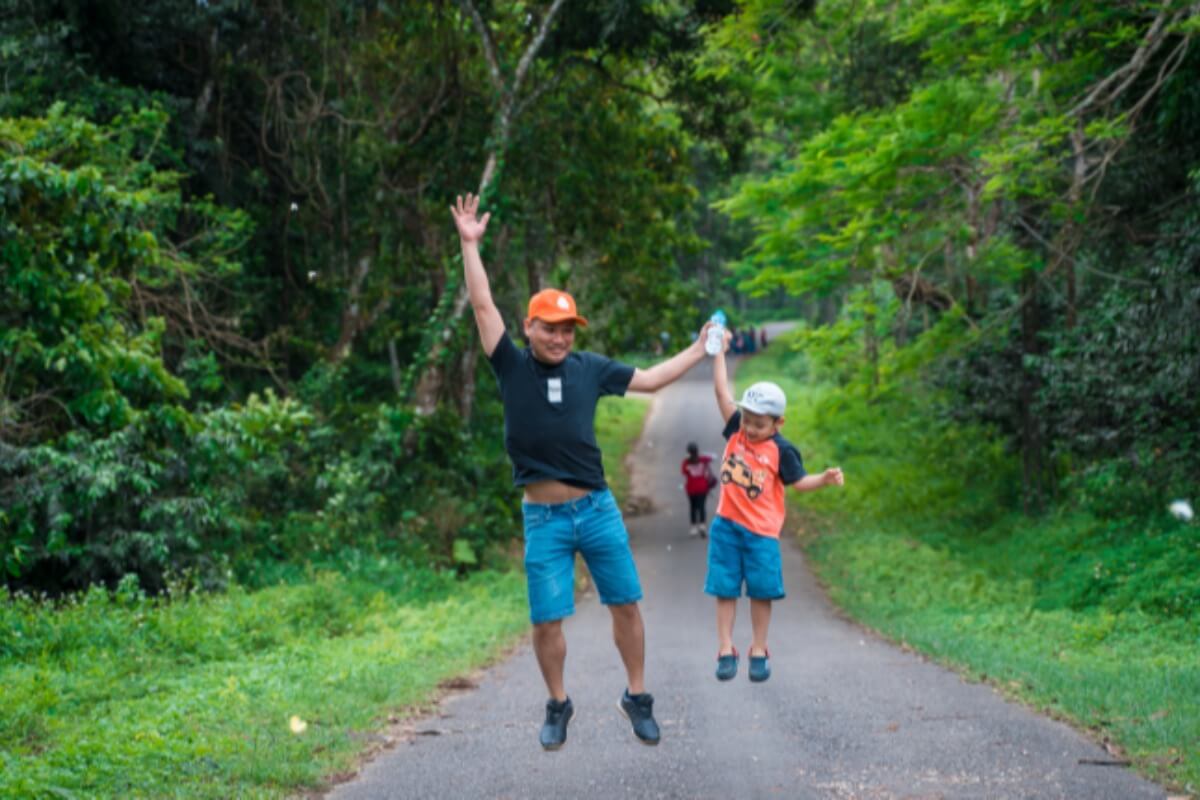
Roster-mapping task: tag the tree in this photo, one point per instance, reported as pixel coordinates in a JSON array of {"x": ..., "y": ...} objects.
[{"x": 971, "y": 189}]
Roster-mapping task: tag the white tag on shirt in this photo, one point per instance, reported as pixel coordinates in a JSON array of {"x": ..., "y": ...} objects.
[{"x": 554, "y": 389}]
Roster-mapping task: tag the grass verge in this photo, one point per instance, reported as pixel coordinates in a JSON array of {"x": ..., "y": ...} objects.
[
  {"x": 1093, "y": 620},
  {"x": 619, "y": 423}
]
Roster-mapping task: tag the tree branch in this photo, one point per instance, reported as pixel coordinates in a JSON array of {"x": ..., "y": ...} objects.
[
  {"x": 489, "y": 45},
  {"x": 1128, "y": 73},
  {"x": 534, "y": 47}
]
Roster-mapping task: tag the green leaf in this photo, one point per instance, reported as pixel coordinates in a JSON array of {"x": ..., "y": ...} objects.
[{"x": 464, "y": 553}]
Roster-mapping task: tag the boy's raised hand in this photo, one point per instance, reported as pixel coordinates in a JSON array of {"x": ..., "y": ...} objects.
[
  {"x": 470, "y": 227},
  {"x": 833, "y": 477}
]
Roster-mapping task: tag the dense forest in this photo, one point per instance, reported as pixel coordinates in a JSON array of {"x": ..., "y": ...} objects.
[{"x": 232, "y": 330}]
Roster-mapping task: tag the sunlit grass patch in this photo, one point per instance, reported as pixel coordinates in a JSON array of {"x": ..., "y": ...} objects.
[{"x": 240, "y": 694}]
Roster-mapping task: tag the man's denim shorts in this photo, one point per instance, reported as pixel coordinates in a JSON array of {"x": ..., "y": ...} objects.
[
  {"x": 590, "y": 525},
  {"x": 735, "y": 555}
]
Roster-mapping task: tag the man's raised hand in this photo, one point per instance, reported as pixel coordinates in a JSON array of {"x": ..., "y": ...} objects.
[{"x": 470, "y": 227}]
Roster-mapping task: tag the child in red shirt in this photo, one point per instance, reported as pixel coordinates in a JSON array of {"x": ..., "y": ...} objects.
[{"x": 698, "y": 482}]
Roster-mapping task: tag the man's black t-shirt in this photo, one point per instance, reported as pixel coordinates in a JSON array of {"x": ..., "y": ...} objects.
[{"x": 550, "y": 413}]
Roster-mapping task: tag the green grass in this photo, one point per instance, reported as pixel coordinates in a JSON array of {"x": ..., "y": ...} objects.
[
  {"x": 1092, "y": 619},
  {"x": 120, "y": 695},
  {"x": 619, "y": 423},
  {"x": 1131, "y": 676},
  {"x": 112, "y": 696}
]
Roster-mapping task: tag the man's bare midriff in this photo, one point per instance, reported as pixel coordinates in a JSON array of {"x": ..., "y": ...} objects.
[{"x": 551, "y": 492}]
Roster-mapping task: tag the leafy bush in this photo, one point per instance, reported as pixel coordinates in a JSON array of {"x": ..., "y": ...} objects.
[
  {"x": 112, "y": 463},
  {"x": 266, "y": 481},
  {"x": 1118, "y": 399},
  {"x": 87, "y": 222}
]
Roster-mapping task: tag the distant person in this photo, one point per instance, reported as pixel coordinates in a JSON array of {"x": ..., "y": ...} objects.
[
  {"x": 763, "y": 338},
  {"x": 751, "y": 340},
  {"x": 699, "y": 480},
  {"x": 743, "y": 546},
  {"x": 550, "y": 395}
]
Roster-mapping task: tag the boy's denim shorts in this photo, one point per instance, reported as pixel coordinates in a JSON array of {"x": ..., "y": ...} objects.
[
  {"x": 737, "y": 556},
  {"x": 590, "y": 525}
]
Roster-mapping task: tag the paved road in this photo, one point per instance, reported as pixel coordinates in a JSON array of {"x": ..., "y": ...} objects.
[{"x": 844, "y": 715}]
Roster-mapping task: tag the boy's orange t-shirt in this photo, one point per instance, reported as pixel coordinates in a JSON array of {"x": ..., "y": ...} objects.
[{"x": 754, "y": 476}]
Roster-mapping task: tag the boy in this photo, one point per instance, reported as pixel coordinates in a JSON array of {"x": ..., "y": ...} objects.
[{"x": 743, "y": 545}]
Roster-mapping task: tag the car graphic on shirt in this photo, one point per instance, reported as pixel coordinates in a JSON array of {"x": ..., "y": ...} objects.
[{"x": 738, "y": 472}]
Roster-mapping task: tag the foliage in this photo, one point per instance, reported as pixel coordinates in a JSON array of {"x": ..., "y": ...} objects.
[
  {"x": 89, "y": 411},
  {"x": 264, "y": 482},
  {"x": 87, "y": 222},
  {"x": 1118, "y": 391},
  {"x": 1019, "y": 179}
]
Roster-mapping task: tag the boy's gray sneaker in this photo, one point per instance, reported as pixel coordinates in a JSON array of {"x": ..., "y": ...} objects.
[
  {"x": 639, "y": 710},
  {"x": 727, "y": 666},
  {"x": 760, "y": 668},
  {"x": 554, "y": 729}
]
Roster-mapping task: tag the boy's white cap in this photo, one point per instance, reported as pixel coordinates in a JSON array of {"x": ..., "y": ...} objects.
[{"x": 764, "y": 398}]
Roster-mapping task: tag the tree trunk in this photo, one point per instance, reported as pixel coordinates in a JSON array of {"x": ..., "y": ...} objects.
[
  {"x": 872, "y": 346},
  {"x": 1031, "y": 440},
  {"x": 466, "y": 392},
  {"x": 394, "y": 360},
  {"x": 1074, "y": 225},
  {"x": 429, "y": 386},
  {"x": 351, "y": 312}
]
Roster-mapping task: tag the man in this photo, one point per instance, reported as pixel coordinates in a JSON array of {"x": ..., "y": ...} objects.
[{"x": 550, "y": 395}]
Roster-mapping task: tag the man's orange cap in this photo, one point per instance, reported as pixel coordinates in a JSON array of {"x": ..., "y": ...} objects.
[{"x": 552, "y": 305}]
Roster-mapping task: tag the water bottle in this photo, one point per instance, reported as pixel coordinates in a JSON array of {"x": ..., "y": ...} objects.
[{"x": 716, "y": 334}]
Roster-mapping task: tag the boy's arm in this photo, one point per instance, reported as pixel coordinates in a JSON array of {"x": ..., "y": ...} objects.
[
  {"x": 725, "y": 402},
  {"x": 470, "y": 233},
  {"x": 665, "y": 372},
  {"x": 830, "y": 477}
]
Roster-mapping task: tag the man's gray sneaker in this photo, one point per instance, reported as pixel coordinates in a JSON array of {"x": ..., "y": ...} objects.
[
  {"x": 639, "y": 710},
  {"x": 554, "y": 729}
]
